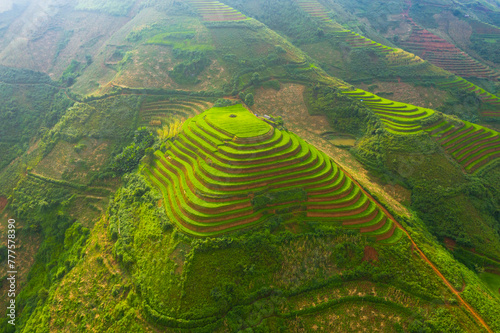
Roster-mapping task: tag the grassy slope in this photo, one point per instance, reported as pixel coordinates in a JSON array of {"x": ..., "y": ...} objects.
[
  {"x": 182, "y": 279},
  {"x": 358, "y": 60}
]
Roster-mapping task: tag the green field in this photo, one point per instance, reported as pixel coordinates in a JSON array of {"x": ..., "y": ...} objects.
[
  {"x": 229, "y": 169},
  {"x": 492, "y": 281}
]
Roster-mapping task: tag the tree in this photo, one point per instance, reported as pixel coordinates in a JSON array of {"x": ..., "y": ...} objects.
[
  {"x": 149, "y": 156},
  {"x": 249, "y": 100},
  {"x": 255, "y": 79},
  {"x": 88, "y": 59}
]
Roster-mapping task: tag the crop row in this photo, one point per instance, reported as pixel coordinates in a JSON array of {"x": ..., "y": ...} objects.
[
  {"x": 492, "y": 101},
  {"x": 443, "y": 54},
  {"x": 154, "y": 113},
  {"x": 399, "y": 118},
  {"x": 315, "y": 9},
  {"x": 211, "y": 181},
  {"x": 215, "y": 11},
  {"x": 472, "y": 146}
]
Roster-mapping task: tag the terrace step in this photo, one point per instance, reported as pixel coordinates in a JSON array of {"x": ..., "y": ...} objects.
[
  {"x": 207, "y": 192},
  {"x": 467, "y": 143}
]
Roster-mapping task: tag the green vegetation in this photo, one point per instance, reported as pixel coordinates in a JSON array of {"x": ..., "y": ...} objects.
[
  {"x": 131, "y": 155},
  {"x": 187, "y": 71},
  {"x": 23, "y": 76},
  {"x": 22, "y": 121},
  {"x": 260, "y": 280},
  {"x": 399, "y": 118},
  {"x": 171, "y": 196},
  {"x": 113, "y": 7},
  {"x": 181, "y": 41},
  {"x": 250, "y": 170},
  {"x": 63, "y": 42},
  {"x": 493, "y": 282},
  {"x": 344, "y": 113}
]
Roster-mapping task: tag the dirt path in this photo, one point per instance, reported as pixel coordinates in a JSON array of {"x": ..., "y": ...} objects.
[
  {"x": 434, "y": 268},
  {"x": 298, "y": 120}
]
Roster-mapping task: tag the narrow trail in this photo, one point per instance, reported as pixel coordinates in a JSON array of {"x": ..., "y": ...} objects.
[{"x": 423, "y": 256}]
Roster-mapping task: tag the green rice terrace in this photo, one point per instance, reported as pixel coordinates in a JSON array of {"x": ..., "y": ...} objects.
[
  {"x": 215, "y": 11},
  {"x": 472, "y": 146},
  {"x": 229, "y": 170},
  {"x": 395, "y": 56},
  {"x": 399, "y": 118},
  {"x": 492, "y": 102},
  {"x": 411, "y": 67},
  {"x": 157, "y": 113},
  {"x": 315, "y": 9}
]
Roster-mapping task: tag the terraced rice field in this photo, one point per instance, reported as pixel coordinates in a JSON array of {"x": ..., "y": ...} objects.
[
  {"x": 315, "y": 9},
  {"x": 399, "y": 118},
  {"x": 484, "y": 33},
  {"x": 489, "y": 99},
  {"x": 471, "y": 145},
  {"x": 445, "y": 55},
  {"x": 215, "y": 11},
  {"x": 229, "y": 170},
  {"x": 394, "y": 57},
  {"x": 357, "y": 41},
  {"x": 154, "y": 114}
]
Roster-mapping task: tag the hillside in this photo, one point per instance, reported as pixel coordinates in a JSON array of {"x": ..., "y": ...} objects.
[{"x": 250, "y": 166}]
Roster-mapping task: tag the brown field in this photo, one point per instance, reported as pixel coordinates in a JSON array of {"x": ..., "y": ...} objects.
[{"x": 427, "y": 97}]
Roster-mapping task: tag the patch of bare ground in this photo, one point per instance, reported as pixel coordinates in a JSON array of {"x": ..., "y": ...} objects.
[
  {"x": 214, "y": 73},
  {"x": 370, "y": 254},
  {"x": 179, "y": 256},
  {"x": 399, "y": 193},
  {"x": 3, "y": 203},
  {"x": 75, "y": 163},
  {"x": 148, "y": 68},
  {"x": 403, "y": 30},
  {"x": 427, "y": 97},
  {"x": 288, "y": 103},
  {"x": 33, "y": 147},
  {"x": 91, "y": 30},
  {"x": 449, "y": 243}
]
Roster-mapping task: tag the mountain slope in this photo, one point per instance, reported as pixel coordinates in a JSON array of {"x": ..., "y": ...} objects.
[{"x": 117, "y": 193}]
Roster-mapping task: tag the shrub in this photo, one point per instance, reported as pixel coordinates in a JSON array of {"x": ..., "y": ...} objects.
[{"x": 249, "y": 99}]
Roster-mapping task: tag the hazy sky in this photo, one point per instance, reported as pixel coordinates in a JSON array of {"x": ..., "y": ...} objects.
[{"x": 5, "y": 5}]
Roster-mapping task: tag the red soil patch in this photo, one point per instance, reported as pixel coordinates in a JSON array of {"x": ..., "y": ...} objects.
[
  {"x": 370, "y": 254},
  {"x": 387, "y": 235},
  {"x": 293, "y": 227},
  {"x": 449, "y": 243},
  {"x": 3, "y": 203}
]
